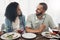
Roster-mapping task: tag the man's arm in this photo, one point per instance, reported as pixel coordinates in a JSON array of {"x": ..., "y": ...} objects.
[
  {"x": 51, "y": 23},
  {"x": 39, "y": 30}
]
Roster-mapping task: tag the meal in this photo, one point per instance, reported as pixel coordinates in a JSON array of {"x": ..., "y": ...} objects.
[
  {"x": 10, "y": 36},
  {"x": 50, "y": 35},
  {"x": 53, "y": 33},
  {"x": 47, "y": 34}
]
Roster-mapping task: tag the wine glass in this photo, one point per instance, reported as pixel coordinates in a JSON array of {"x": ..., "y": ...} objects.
[
  {"x": 59, "y": 28},
  {"x": 55, "y": 31},
  {"x": 21, "y": 31}
]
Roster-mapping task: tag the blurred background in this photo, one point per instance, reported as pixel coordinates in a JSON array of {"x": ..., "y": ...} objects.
[{"x": 29, "y": 7}]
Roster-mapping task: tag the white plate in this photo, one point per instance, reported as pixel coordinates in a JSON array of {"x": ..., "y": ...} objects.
[
  {"x": 15, "y": 35},
  {"x": 48, "y": 35},
  {"x": 29, "y": 35}
]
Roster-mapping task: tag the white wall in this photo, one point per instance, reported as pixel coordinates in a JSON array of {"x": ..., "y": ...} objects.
[{"x": 29, "y": 7}]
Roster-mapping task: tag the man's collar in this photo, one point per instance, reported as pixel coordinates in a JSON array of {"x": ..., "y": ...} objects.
[{"x": 42, "y": 16}]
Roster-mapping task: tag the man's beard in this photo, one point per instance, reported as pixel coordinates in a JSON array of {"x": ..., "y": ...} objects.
[{"x": 39, "y": 14}]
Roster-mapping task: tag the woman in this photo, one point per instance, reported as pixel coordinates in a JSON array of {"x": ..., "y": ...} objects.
[{"x": 14, "y": 18}]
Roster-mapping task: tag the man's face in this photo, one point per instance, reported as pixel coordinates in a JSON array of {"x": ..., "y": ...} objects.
[{"x": 39, "y": 10}]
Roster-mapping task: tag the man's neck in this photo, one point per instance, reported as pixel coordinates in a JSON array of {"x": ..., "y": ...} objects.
[{"x": 40, "y": 17}]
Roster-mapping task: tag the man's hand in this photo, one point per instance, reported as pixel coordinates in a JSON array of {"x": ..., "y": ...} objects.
[{"x": 42, "y": 27}]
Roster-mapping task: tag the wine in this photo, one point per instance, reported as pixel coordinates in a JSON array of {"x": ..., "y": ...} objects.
[
  {"x": 55, "y": 31},
  {"x": 20, "y": 31},
  {"x": 59, "y": 32}
]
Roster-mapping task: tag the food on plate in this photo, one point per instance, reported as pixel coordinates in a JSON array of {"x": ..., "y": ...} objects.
[
  {"x": 47, "y": 34},
  {"x": 50, "y": 35},
  {"x": 10, "y": 36}
]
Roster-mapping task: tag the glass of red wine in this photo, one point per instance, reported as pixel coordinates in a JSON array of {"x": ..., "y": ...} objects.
[
  {"x": 59, "y": 28},
  {"x": 59, "y": 33},
  {"x": 55, "y": 31},
  {"x": 21, "y": 30}
]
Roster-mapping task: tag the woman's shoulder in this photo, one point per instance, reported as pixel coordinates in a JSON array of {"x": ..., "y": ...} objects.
[
  {"x": 7, "y": 20},
  {"x": 22, "y": 16}
]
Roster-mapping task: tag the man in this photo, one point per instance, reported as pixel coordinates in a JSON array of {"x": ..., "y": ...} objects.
[{"x": 40, "y": 21}]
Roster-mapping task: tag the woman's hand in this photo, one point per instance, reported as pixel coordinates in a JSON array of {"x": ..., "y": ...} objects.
[{"x": 1, "y": 32}]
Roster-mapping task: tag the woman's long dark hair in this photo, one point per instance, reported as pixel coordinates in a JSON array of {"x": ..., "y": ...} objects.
[{"x": 11, "y": 11}]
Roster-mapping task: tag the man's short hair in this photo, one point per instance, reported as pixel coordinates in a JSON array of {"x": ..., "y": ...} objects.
[{"x": 44, "y": 6}]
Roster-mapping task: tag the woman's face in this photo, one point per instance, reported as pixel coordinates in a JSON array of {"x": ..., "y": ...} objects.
[{"x": 18, "y": 10}]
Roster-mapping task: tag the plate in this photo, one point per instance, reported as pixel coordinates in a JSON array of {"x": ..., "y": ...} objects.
[
  {"x": 48, "y": 35},
  {"x": 11, "y": 35},
  {"x": 29, "y": 35}
]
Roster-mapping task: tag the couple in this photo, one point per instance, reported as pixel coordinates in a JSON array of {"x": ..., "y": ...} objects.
[{"x": 36, "y": 23}]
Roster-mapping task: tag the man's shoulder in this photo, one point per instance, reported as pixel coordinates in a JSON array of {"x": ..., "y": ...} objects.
[
  {"x": 48, "y": 16},
  {"x": 31, "y": 15}
]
